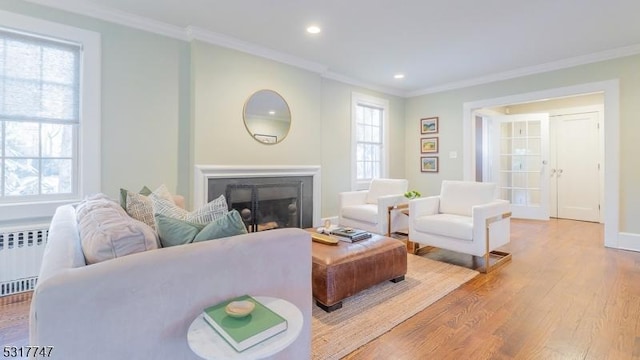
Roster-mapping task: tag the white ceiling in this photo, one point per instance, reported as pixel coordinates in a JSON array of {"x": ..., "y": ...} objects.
[{"x": 438, "y": 44}]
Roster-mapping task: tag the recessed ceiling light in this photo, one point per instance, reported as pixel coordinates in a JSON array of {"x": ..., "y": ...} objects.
[
  {"x": 272, "y": 112},
  {"x": 398, "y": 76},
  {"x": 313, "y": 29}
]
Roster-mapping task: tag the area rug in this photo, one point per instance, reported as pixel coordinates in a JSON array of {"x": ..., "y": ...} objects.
[{"x": 373, "y": 312}]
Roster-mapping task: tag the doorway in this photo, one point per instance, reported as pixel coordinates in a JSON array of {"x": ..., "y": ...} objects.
[
  {"x": 547, "y": 163},
  {"x": 610, "y": 129}
]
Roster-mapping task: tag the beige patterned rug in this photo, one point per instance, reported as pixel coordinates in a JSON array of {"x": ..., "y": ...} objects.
[{"x": 375, "y": 311}]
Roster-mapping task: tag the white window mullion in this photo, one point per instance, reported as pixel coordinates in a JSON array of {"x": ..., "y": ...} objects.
[{"x": 368, "y": 139}]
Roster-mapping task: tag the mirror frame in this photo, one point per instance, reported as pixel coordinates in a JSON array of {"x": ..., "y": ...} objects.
[{"x": 266, "y": 138}]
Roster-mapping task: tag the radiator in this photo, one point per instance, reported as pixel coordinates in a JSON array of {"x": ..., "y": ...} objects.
[{"x": 21, "y": 252}]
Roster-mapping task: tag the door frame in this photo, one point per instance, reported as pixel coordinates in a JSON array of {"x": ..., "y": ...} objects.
[{"x": 610, "y": 127}]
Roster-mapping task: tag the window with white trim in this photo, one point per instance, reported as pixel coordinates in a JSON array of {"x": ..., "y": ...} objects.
[
  {"x": 39, "y": 117},
  {"x": 369, "y": 118},
  {"x": 49, "y": 115}
]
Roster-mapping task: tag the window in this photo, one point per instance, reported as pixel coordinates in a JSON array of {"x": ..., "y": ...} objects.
[
  {"x": 39, "y": 108},
  {"x": 49, "y": 118},
  {"x": 369, "y": 116}
]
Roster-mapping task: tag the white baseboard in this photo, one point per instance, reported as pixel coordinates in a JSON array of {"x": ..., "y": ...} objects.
[{"x": 629, "y": 241}]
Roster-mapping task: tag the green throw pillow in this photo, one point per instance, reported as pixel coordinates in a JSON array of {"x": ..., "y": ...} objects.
[
  {"x": 229, "y": 225},
  {"x": 174, "y": 232},
  {"x": 123, "y": 195},
  {"x": 178, "y": 232}
]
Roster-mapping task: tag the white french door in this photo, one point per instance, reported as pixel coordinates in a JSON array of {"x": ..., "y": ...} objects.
[{"x": 520, "y": 163}]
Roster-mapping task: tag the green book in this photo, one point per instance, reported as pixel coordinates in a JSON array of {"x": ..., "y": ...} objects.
[{"x": 244, "y": 332}]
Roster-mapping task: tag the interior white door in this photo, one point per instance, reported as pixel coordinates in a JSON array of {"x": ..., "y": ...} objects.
[
  {"x": 576, "y": 170},
  {"x": 520, "y": 163}
]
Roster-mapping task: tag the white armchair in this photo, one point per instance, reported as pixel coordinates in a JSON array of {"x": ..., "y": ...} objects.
[
  {"x": 466, "y": 217},
  {"x": 367, "y": 209}
]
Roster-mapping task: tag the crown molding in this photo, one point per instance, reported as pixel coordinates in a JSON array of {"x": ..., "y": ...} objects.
[
  {"x": 347, "y": 80},
  {"x": 532, "y": 70},
  {"x": 190, "y": 33},
  {"x": 195, "y": 33},
  {"x": 115, "y": 16}
]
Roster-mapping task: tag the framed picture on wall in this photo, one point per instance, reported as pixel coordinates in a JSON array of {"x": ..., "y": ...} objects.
[
  {"x": 429, "y": 125},
  {"x": 429, "y": 163},
  {"x": 429, "y": 145}
]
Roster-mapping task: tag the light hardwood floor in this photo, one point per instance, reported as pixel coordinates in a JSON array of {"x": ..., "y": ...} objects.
[{"x": 563, "y": 296}]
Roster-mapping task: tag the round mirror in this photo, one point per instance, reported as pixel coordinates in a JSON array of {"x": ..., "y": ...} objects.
[{"x": 267, "y": 117}]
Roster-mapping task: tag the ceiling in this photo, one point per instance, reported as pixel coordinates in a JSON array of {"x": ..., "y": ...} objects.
[{"x": 437, "y": 44}]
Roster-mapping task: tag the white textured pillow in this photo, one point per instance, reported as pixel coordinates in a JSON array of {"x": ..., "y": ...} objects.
[
  {"x": 140, "y": 207},
  {"x": 213, "y": 210},
  {"x": 107, "y": 232}
]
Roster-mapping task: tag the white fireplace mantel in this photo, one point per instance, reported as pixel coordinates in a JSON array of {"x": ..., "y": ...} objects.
[{"x": 205, "y": 172}]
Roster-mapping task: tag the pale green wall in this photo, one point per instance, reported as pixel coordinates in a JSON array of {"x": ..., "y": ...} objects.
[
  {"x": 449, "y": 107},
  {"x": 143, "y": 100},
  {"x": 169, "y": 104},
  {"x": 336, "y": 135},
  {"x": 320, "y": 131}
]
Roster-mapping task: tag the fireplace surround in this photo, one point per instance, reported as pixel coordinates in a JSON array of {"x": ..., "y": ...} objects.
[{"x": 266, "y": 196}]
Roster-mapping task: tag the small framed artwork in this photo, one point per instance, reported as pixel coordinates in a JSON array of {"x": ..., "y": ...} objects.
[
  {"x": 429, "y": 145},
  {"x": 429, "y": 164},
  {"x": 429, "y": 125},
  {"x": 267, "y": 139}
]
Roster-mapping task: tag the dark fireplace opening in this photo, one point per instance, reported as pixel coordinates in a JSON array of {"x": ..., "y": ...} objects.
[
  {"x": 266, "y": 206},
  {"x": 268, "y": 203}
]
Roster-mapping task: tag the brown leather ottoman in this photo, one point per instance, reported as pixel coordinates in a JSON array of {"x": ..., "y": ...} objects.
[{"x": 348, "y": 268}]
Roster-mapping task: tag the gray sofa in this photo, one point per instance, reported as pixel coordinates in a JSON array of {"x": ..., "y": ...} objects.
[{"x": 140, "y": 306}]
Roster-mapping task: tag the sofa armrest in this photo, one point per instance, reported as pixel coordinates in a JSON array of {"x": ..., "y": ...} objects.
[
  {"x": 350, "y": 198},
  {"x": 424, "y": 206},
  {"x": 149, "y": 299},
  {"x": 63, "y": 250}
]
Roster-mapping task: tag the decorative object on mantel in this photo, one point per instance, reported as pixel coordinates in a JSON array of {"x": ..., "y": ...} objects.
[
  {"x": 429, "y": 125},
  {"x": 412, "y": 194},
  {"x": 267, "y": 117},
  {"x": 429, "y": 164}
]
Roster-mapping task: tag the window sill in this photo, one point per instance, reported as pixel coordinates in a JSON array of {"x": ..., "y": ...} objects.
[{"x": 28, "y": 211}]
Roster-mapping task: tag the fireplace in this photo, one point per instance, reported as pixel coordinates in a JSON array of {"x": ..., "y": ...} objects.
[{"x": 267, "y": 197}]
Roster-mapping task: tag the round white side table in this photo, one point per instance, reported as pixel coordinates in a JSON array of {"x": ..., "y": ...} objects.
[{"x": 208, "y": 344}]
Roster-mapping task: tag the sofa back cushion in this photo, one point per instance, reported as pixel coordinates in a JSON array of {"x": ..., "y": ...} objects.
[
  {"x": 107, "y": 232},
  {"x": 383, "y": 187},
  {"x": 458, "y": 197}
]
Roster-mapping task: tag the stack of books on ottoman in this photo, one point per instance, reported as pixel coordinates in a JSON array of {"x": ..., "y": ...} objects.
[
  {"x": 244, "y": 322},
  {"x": 350, "y": 235}
]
